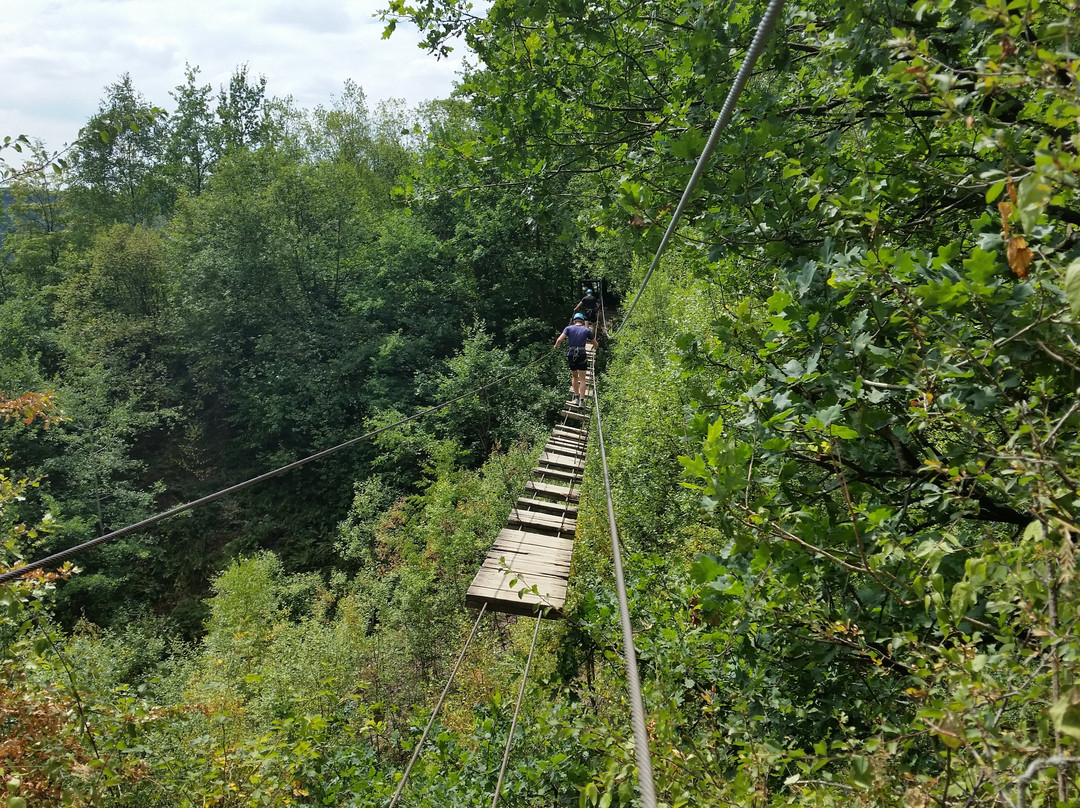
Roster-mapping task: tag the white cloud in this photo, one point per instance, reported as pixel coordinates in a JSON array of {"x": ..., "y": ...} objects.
[{"x": 56, "y": 58}]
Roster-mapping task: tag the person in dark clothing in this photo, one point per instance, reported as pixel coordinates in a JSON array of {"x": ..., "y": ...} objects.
[
  {"x": 578, "y": 335},
  {"x": 588, "y": 306}
]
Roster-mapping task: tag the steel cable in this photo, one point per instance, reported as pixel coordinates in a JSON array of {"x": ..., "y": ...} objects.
[
  {"x": 435, "y": 713},
  {"x": 637, "y": 706},
  {"x": 765, "y": 27},
  {"x": 55, "y": 558},
  {"x": 513, "y": 721}
]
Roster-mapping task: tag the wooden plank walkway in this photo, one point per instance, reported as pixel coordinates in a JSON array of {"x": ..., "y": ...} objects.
[{"x": 528, "y": 567}]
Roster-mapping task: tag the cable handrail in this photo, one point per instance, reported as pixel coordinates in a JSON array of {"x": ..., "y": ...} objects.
[
  {"x": 513, "y": 721},
  {"x": 18, "y": 572},
  {"x": 765, "y": 27},
  {"x": 435, "y": 712},
  {"x": 637, "y": 706}
]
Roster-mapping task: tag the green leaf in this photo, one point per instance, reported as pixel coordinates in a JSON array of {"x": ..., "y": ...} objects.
[
  {"x": 779, "y": 301},
  {"x": 1032, "y": 195},
  {"x": 860, "y": 772},
  {"x": 1072, "y": 287},
  {"x": 1065, "y": 713},
  {"x": 705, "y": 568},
  {"x": 981, "y": 266}
]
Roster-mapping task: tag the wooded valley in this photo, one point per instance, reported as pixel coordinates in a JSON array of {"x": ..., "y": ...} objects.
[{"x": 843, "y": 423}]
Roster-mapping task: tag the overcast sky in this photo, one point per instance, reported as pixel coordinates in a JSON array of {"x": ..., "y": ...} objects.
[{"x": 57, "y": 56}]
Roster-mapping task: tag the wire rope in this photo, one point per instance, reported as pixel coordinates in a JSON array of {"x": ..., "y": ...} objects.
[
  {"x": 55, "y": 558},
  {"x": 513, "y": 721},
  {"x": 637, "y": 706},
  {"x": 761, "y": 36},
  {"x": 435, "y": 713}
]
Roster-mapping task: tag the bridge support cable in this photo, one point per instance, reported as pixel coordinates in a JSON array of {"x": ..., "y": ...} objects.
[
  {"x": 513, "y": 721},
  {"x": 435, "y": 712},
  {"x": 637, "y": 706},
  {"x": 55, "y": 558},
  {"x": 764, "y": 30}
]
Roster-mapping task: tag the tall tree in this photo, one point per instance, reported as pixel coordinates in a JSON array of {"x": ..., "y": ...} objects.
[
  {"x": 193, "y": 135},
  {"x": 241, "y": 112},
  {"x": 119, "y": 174}
]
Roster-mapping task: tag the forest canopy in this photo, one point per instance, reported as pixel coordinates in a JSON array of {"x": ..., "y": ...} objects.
[{"x": 842, "y": 424}]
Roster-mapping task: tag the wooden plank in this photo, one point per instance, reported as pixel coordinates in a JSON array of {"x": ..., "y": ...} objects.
[
  {"x": 527, "y": 563},
  {"x": 576, "y": 437},
  {"x": 544, "y": 506},
  {"x": 516, "y": 540},
  {"x": 559, "y": 548},
  {"x": 571, "y": 428},
  {"x": 542, "y": 521},
  {"x": 561, "y": 460},
  {"x": 549, "y": 490},
  {"x": 580, "y": 441},
  {"x": 544, "y": 565},
  {"x": 580, "y": 416},
  {"x": 503, "y": 598},
  {"x": 581, "y": 438},
  {"x": 560, "y": 552},
  {"x": 558, "y": 475},
  {"x": 567, "y": 451},
  {"x": 555, "y": 562},
  {"x": 549, "y": 590},
  {"x": 573, "y": 446},
  {"x": 476, "y": 599},
  {"x": 530, "y": 516},
  {"x": 494, "y": 577},
  {"x": 560, "y": 570},
  {"x": 570, "y": 432},
  {"x": 520, "y": 541},
  {"x": 547, "y": 584}
]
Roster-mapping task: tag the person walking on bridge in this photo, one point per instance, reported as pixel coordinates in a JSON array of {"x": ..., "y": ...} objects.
[
  {"x": 588, "y": 306},
  {"x": 578, "y": 335}
]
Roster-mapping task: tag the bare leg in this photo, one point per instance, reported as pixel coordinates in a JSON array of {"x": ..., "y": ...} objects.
[{"x": 579, "y": 383}]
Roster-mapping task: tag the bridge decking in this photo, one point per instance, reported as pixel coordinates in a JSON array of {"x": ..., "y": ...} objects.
[{"x": 528, "y": 566}]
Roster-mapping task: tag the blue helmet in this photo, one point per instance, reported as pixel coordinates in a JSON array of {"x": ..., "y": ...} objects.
[
  {"x": 588, "y": 291},
  {"x": 579, "y": 316}
]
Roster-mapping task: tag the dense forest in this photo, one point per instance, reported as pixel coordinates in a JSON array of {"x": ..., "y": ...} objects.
[{"x": 842, "y": 424}]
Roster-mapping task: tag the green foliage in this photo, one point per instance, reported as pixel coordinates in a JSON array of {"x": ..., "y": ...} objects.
[
  {"x": 504, "y": 412},
  {"x": 842, "y": 426},
  {"x": 879, "y": 367},
  {"x": 118, "y": 175}
]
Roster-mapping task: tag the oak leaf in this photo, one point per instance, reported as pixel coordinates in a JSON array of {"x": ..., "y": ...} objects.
[{"x": 1019, "y": 255}]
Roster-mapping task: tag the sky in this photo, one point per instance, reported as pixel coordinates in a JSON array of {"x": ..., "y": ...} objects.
[{"x": 57, "y": 56}]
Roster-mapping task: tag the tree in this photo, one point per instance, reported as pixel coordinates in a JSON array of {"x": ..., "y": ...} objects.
[
  {"x": 342, "y": 132},
  {"x": 881, "y": 383},
  {"x": 241, "y": 112},
  {"x": 119, "y": 176},
  {"x": 35, "y": 232},
  {"x": 193, "y": 133}
]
